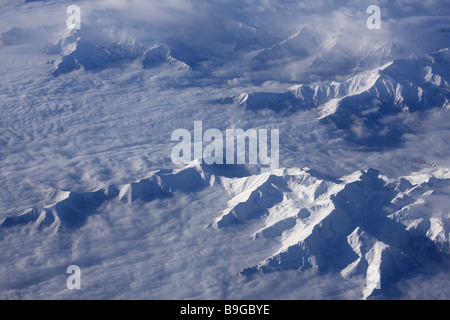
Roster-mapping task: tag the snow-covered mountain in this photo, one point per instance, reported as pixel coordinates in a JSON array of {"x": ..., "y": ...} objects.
[
  {"x": 302, "y": 44},
  {"x": 402, "y": 85},
  {"x": 359, "y": 104},
  {"x": 319, "y": 53},
  {"x": 89, "y": 49},
  {"x": 161, "y": 54},
  {"x": 350, "y": 225},
  {"x": 346, "y": 225},
  {"x": 72, "y": 209}
]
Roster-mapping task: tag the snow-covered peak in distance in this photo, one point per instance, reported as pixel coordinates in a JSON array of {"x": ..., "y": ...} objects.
[
  {"x": 161, "y": 54},
  {"x": 409, "y": 84},
  {"x": 359, "y": 103},
  {"x": 91, "y": 49},
  {"x": 286, "y": 42}
]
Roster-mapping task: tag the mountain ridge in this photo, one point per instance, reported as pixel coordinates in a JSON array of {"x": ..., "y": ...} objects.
[{"x": 387, "y": 79}]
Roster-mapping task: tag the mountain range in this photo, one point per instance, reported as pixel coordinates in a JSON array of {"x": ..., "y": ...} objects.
[{"x": 346, "y": 225}]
